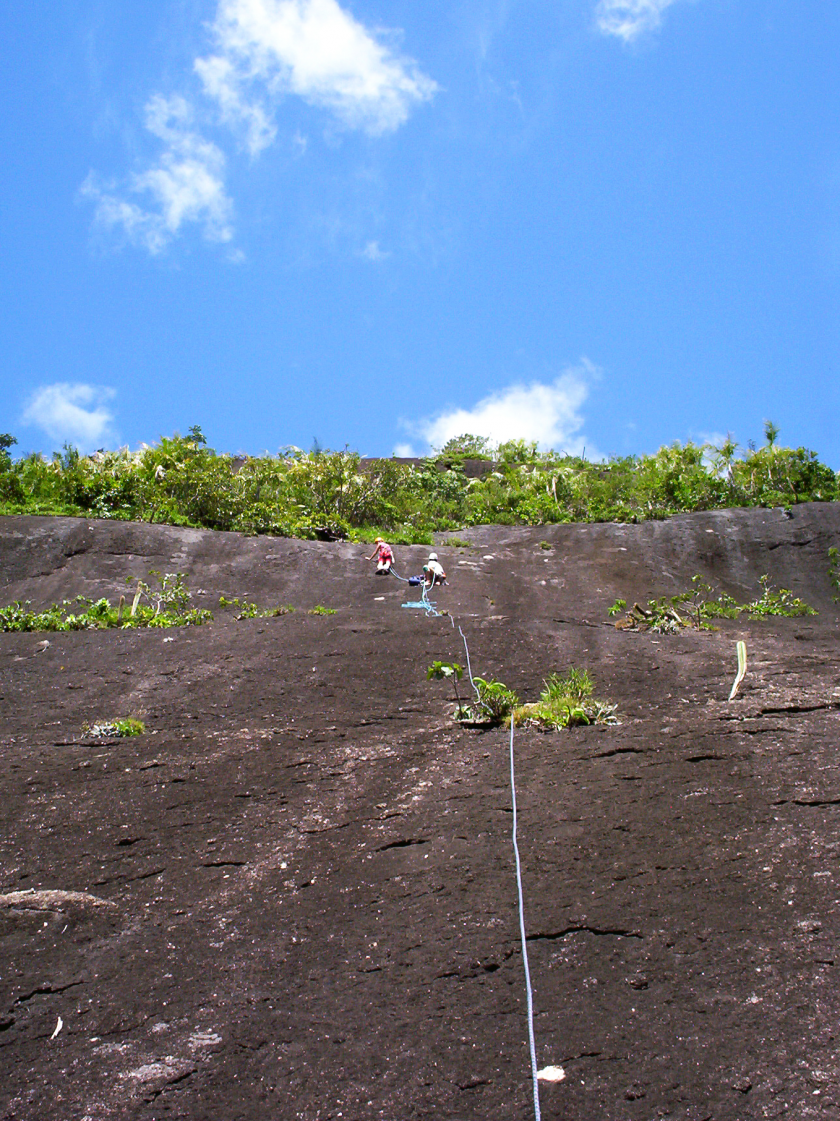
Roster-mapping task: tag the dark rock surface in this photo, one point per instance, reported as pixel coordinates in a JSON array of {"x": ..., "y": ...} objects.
[{"x": 293, "y": 898}]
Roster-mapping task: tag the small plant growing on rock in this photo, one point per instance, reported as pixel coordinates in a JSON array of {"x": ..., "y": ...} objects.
[
  {"x": 120, "y": 728},
  {"x": 695, "y": 608},
  {"x": 166, "y": 606},
  {"x": 834, "y": 572},
  {"x": 776, "y": 601},
  {"x": 441, "y": 671},
  {"x": 170, "y": 597},
  {"x": 495, "y": 700},
  {"x": 248, "y": 610},
  {"x": 566, "y": 702},
  {"x": 319, "y": 609}
]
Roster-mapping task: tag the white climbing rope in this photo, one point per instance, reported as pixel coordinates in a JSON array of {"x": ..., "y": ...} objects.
[
  {"x": 431, "y": 611},
  {"x": 469, "y": 670},
  {"x": 528, "y": 990},
  {"x": 529, "y": 994}
]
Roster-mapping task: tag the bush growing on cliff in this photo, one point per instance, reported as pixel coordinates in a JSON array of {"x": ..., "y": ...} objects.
[
  {"x": 699, "y": 606},
  {"x": 169, "y": 604},
  {"x": 334, "y": 494},
  {"x": 565, "y": 701}
]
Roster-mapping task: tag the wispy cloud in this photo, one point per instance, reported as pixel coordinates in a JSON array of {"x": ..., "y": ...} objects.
[
  {"x": 224, "y": 85},
  {"x": 266, "y": 50},
  {"x": 373, "y": 251},
  {"x": 312, "y": 48},
  {"x": 185, "y": 185},
  {"x": 628, "y": 19},
  {"x": 546, "y": 412},
  {"x": 75, "y": 413}
]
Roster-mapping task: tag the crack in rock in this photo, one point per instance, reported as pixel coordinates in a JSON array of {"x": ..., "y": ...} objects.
[
  {"x": 599, "y": 932},
  {"x": 794, "y": 708},
  {"x": 48, "y": 990}
]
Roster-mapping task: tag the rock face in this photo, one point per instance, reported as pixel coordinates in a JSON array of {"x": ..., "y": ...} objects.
[{"x": 293, "y": 897}]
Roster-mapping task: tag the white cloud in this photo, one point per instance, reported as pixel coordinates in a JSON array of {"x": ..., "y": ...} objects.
[
  {"x": 374, "y": 252},
  {"x": 403, "y": 451},
  {"x": 265, "y": 51},
  {"x": 223, "y": 85},
  {"x": 312, "y": 48},
  {"x": 715, "y": 439},
  {"x": 186, "y": 184},
  {"x": 628, "y": 19},
  {"x": 548, "y": 413},
  {"x": 76, "y": 413}
]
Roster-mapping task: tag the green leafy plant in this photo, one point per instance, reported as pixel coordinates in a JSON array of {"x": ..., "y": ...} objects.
[
  {"x": 493, "y": 703},
  {"x": 249, "y": 610},
  {"x": 70, "y": 615},
  {"x": 171, "y": 596},
  {"x": 335, "y": 494},
  {"x": 697, "y": 607},
  {"x": 452, "y": 671},
  {"x": 776, "y": 601},
  {"x": 467, "y": 446},
  {"x": 167, "y": 606},
  {"x": 566, "y": 702},
  {"x": 577, "y": 684},
  {"x": 318, "y": 609},
  {"x": 834, "y": 572},
  {"x": 495, "y": 700},
  {"x": 121, "y": 727}
]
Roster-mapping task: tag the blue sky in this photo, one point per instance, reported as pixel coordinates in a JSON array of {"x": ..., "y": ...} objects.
[{"x": 600, "y": 224}]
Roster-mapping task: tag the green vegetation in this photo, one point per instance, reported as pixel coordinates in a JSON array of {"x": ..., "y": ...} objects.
[
  {"x": 248, "y": 610},
  {"x": 333, "y": 495},
  {"x": 495, "y": 701},
  {"x": 441, "y": 671},
  {"x": 774, "y": 601},
  {"x": 698, "y": 607},
  {"x": 167, "y": 605},
  {"x": 125, "y": 726},
  {"x": 564, "y": 701},
  {"x": 834, "y": 572}
]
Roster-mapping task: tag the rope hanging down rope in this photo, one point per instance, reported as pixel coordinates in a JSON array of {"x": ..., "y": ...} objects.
[
  {"x": 431, "y": 609},
  {"x": 528, "y": 991}
]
